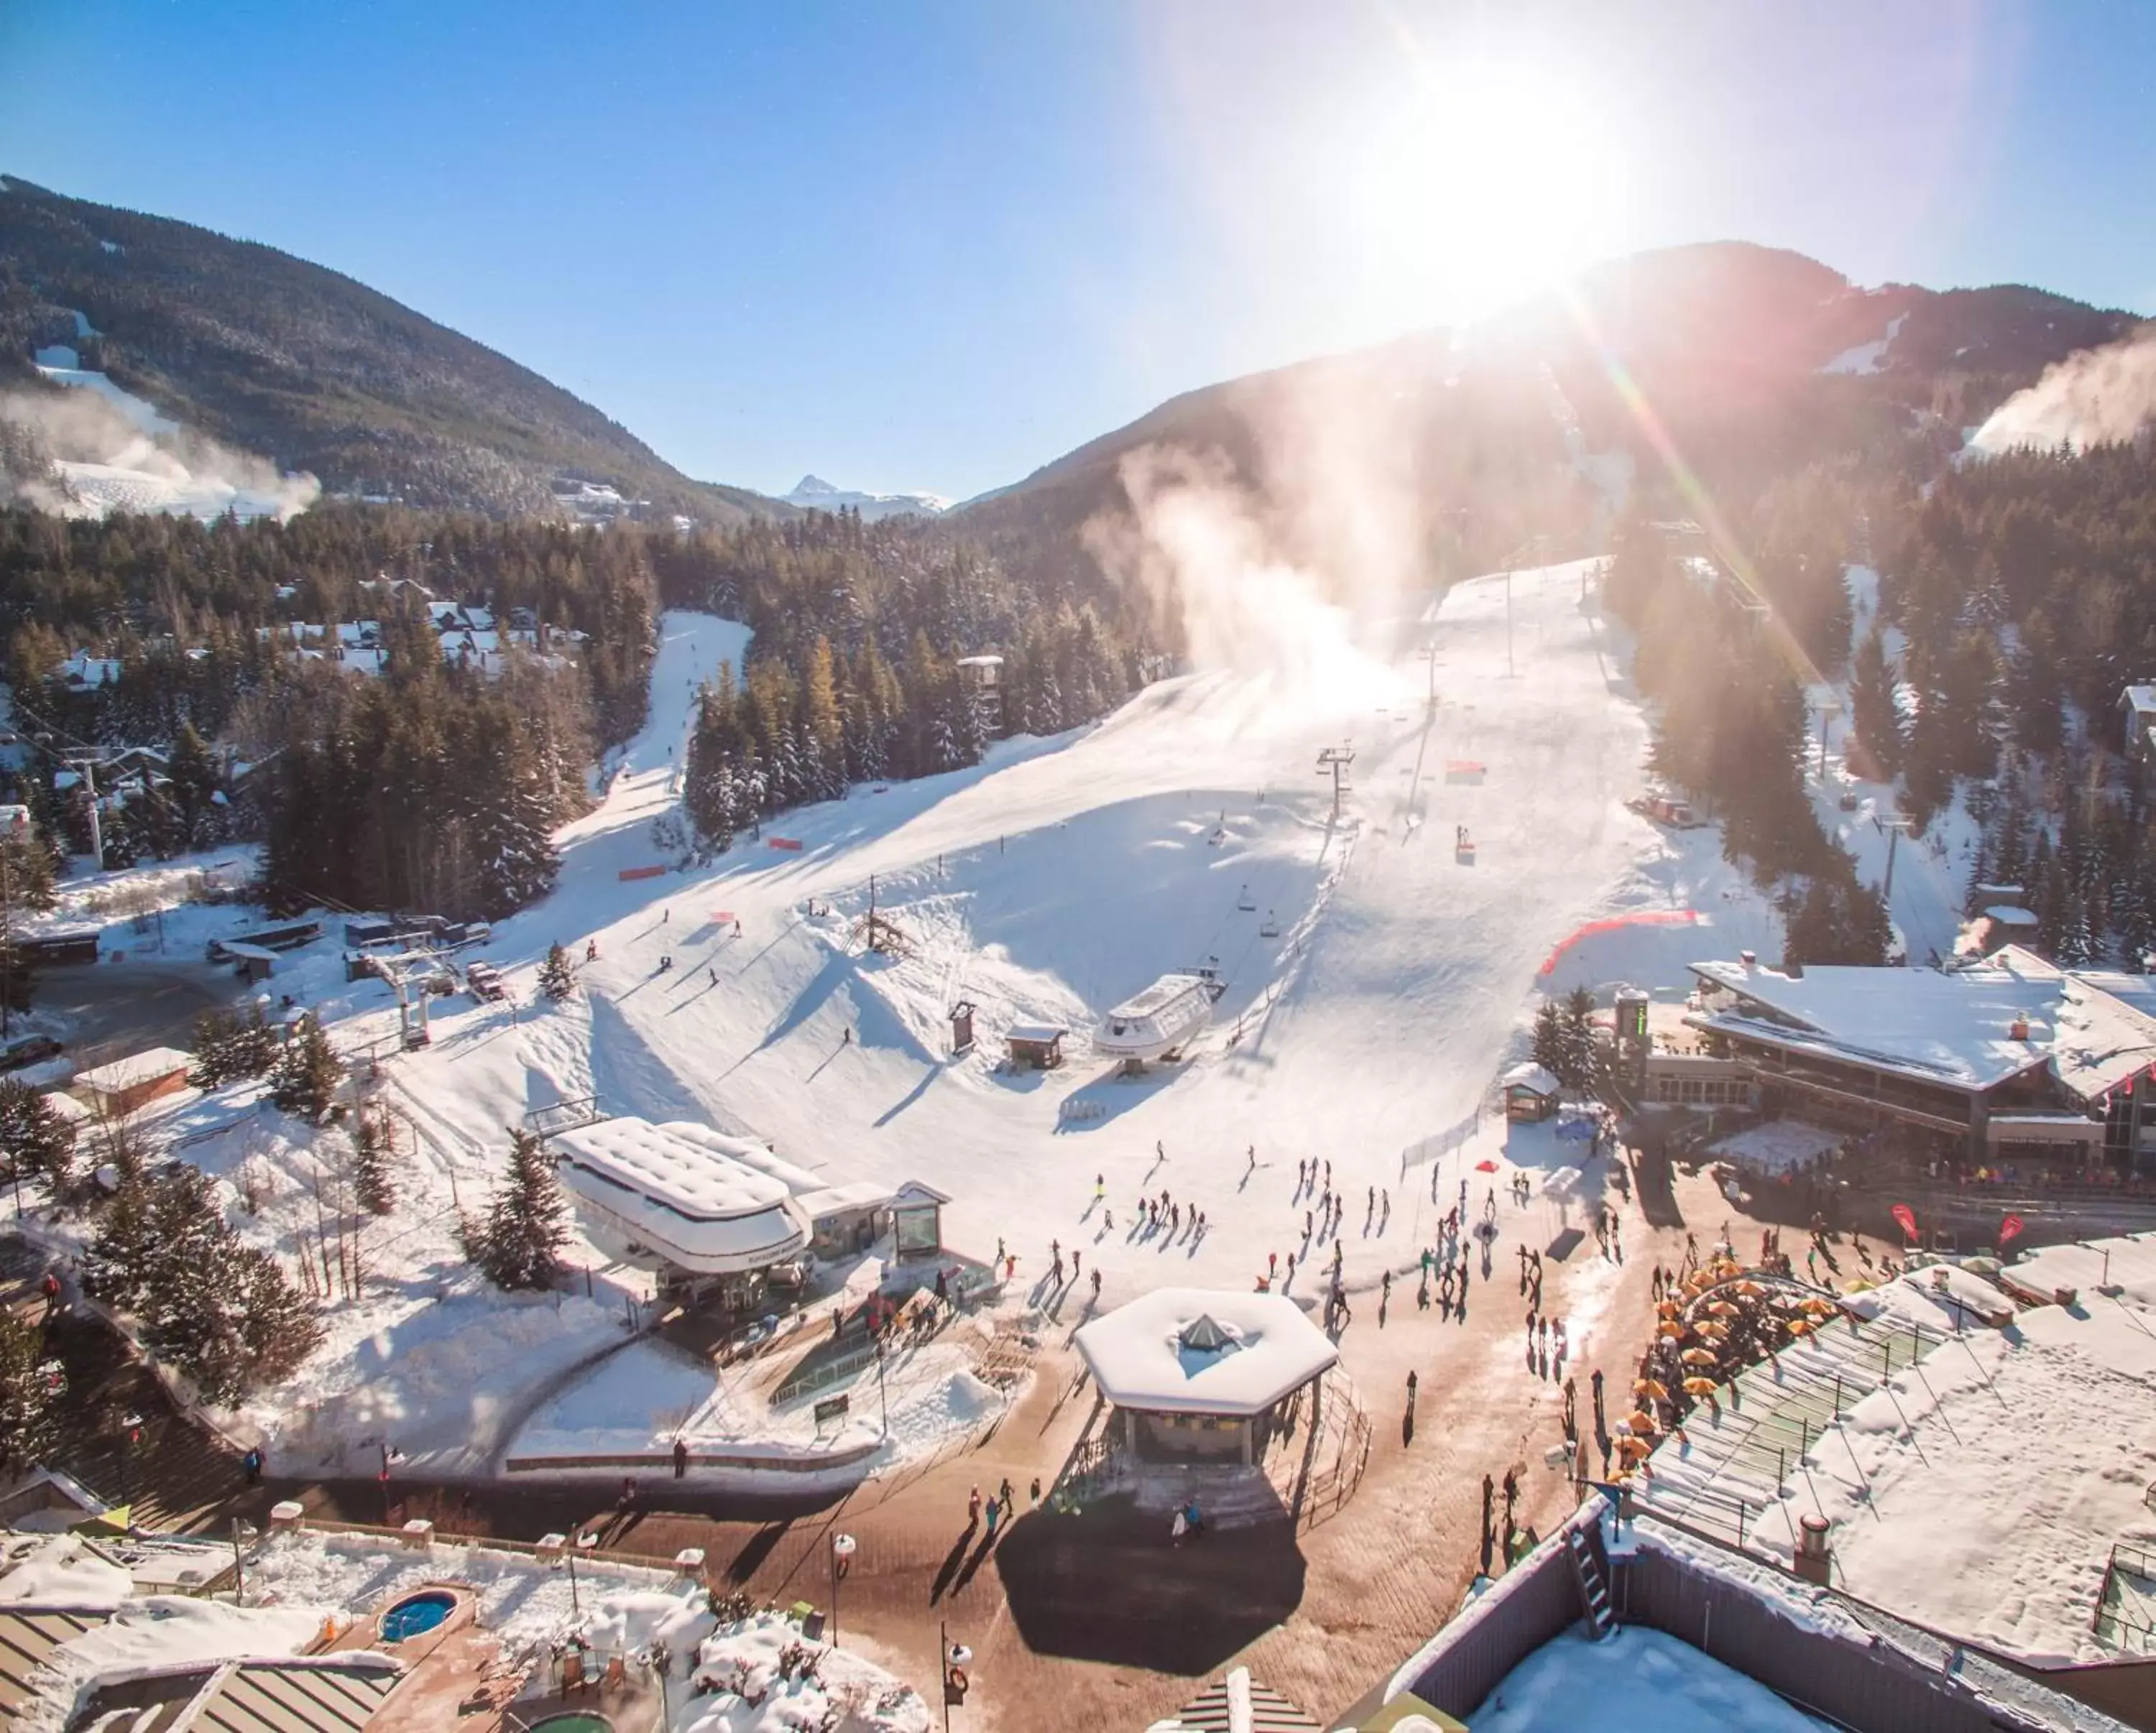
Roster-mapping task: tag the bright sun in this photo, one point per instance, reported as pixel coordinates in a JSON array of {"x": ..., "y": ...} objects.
[{"x": 1483, "y": 182}]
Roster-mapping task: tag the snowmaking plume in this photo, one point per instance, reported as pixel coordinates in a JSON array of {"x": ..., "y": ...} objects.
[
  {"x": 2095, "y": 397},
  {"x": 1285, "y": 574},
  {"x": 98, "y": 458}
]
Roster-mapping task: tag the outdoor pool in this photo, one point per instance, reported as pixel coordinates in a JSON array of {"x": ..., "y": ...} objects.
[
  {"x": 576, "y": 1722},
  {"x": 416, "y": 1613}
]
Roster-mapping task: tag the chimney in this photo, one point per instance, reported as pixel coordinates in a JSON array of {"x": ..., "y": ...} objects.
[
  {"x": 2018, "y": 1030},
  {"x": 1750, "y": 959},
  {"x": 1794, "y": 969},
  {"x": 1814, "y": 1560}
]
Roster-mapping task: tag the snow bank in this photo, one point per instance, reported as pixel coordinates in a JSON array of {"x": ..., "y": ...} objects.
[{"x": 156, "y": 1632}]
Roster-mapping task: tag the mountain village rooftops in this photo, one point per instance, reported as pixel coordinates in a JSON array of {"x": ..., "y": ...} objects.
[{"x": 1971, "y": 1028}]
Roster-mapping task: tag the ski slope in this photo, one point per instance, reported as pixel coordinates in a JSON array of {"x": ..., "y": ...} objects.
[{"x": 1061, "y": 876}]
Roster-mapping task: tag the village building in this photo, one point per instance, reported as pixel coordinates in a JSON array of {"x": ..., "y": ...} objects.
[
  {"x": 1199, "y": 1374},
  {"x": 1530, "y": 1093},
  {"x": 2011, "y": 1058},
  {"x": 126, "y": 1084},
  {"x": 1035, "y": 1046},
  {"x": 2137, "y": 705}
]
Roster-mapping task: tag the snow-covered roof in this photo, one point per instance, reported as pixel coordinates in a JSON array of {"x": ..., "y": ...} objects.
[
  {"x": 2101, "y": 1041},
  {"x": 1042, "y": 1033},
  {"x": 1159, "y": 1019},
  {"x": 2140, "y": 700},
  {"x": 748, "y": 1151},
  {"x": 1954, "y": 1028},
  {"x": 2006, "y": 914},
  {"x": 826, "y": 1201},
  {"x": 658, "y": 1195},
  {"x": 146, "y": 1066},
  {"x": 1200, "y": 1350},
  {"x": 919, "y": 1192},
  {"x": 1534, "y": 1077}
]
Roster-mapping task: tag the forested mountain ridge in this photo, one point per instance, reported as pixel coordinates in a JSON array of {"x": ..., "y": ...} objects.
[
  {"x": 1753, "y": 360},
  {"x": 310, "y": 369}
]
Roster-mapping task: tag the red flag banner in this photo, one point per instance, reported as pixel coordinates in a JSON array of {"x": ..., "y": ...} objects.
[
  {"x": 2010, "y": 1228},
  {"x": 1907, "y": 1218}
]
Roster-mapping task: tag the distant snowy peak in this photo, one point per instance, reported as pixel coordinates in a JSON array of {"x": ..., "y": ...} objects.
[{"x": 812, "y": 493}]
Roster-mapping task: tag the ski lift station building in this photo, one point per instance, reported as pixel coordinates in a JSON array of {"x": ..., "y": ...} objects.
[
  {"x": 1199, "y": 1374},
  {"x": 1157, "y": 1022},
  {"x": 699, "y": 1207}
]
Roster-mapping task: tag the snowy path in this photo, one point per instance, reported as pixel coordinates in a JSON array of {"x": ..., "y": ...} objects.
[{"x": 1063, "y": 874}]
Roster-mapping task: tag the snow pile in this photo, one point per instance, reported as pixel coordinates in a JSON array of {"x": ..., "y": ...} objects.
[
  {"x": 63, "y": 1570},
  {"x": 159, "y": 1630},
  {"x": 1777, "y": 1147},
  {"x": 1635, "y": 1678},
  {"x": 738, "y": 1671},
  {"x": 649, "y": 1395}
]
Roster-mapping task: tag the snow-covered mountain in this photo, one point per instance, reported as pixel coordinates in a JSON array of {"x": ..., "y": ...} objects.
[{"x": 812, "y": 493}]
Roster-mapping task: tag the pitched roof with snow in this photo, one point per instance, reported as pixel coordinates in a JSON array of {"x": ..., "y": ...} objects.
[
  {"x": 1954, "y": 1028},
  {"x": 1198, "y": 1351},
  {"x": 1532, "y": 1076},
  {"x": 137, "y": 1069}
]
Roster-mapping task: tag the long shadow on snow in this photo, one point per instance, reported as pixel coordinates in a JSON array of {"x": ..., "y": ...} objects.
[{"x": 629, "y": 1077}]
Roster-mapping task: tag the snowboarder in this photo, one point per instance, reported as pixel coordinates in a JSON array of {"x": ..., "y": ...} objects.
[
  {"x": 664, "y": 964},
  {"x": 591, "y": 950}
]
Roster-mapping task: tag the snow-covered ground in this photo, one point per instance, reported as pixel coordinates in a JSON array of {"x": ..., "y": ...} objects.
[
  {"x": 1377, "y": 980},
  {"x": 1063, "y": 875},
  {"x": 1635, "y": 1678},
  {"x": 649, "y": 1395},
  {"x": 1981, "y": 1493}
]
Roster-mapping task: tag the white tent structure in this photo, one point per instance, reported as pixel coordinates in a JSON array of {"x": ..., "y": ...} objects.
[
  {"x": 662, "y": 1201},
  {"x": 1197, "y": 1371}
]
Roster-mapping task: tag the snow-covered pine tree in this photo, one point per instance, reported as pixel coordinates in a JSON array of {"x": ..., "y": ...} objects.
[
  {"x": 557, "y": 976},
  {"x": 372, "y": 1152},
  {"x": 32, "y": 1385},
  {"x": 1550, "y": 1050},
  {"x": 35, "y": 1142},
  {"x": 230, "y": 1045},
  {"x": 117, "y": 1266},
  {"x": 307, "y": 1074},
  {"x": 1583, "y": 1054},
  {"x": 527, "y": 1223},
  {"x": 277, "y": 1327},
  {"x": 508, "y": 829},
  {"x": 1875, "y": 710}
]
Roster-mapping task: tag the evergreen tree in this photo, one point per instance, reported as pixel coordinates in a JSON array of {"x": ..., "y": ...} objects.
[
  {"x": 557, "y": 975},
  {"x": 527, "y": 1223},
  {"x": 230, "y": 1045},
  {"x": 1583, "y": 1053},
  {"x": 32, "y": 1385},
  {"x": 307, "y": 1074},
  {"x": 35, "y": 1141},
  {"x": 1550, "y": 1050},
  {"x": 1875, "y": 710},
  {"x": 372, "y": 1152}
]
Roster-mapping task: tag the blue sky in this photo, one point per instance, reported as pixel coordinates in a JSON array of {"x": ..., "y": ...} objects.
[{"x": 936, "y": 245}]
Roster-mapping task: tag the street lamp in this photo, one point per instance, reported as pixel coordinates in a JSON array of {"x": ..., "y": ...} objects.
[
  {"x": 956, "y": 1659},
  {"x": 133, "y": 1423},
  {"x": 843, "y": 1549}
]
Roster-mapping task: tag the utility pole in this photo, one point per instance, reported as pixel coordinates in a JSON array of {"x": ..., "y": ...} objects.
[
  {"x": 1894, "y": 827},
  {"x": 1428, "y": 654},
  {"x": 8, "y": 962},
  {"x": 86, "y": 763},
  {"x": 1828, "y": 709},
  {"x": 1336, "y": 759}
]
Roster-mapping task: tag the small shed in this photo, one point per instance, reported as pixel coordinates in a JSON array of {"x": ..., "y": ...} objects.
[
  {"x": 128, "y": 1083},
  {"x": 257, "y": 962},
  {"x": 1035, "y": 1046},
  {"x": 1530, "y": 1093},
  {"x": 916, "y": 1215}
]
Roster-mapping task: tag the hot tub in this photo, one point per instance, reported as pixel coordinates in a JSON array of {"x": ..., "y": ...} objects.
[{"x": 417, "y": 1614}]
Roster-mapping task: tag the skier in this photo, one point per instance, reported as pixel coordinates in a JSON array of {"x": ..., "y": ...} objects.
[
  {"x": 1100, "y": 1187},
  {"x": 1096, "y": 1281},
  {"x": 1411, "y": 1390},
  {"x": 714, "y": 974},
  {"x": 1077, "y": 1260}
]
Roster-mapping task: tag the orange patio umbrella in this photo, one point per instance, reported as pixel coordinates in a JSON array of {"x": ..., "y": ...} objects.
[
  {"x": 1697, "y": 1357},
  {"x": 1700, "y": 1386},
  {"x": 1651, "y": 1388},
  {"x": 1641, "y": 1421}
]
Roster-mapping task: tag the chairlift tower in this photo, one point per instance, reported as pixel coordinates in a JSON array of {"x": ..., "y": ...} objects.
[
  {"x": 85, "y": 764},
  {"x": 1336, "y": 760}
]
